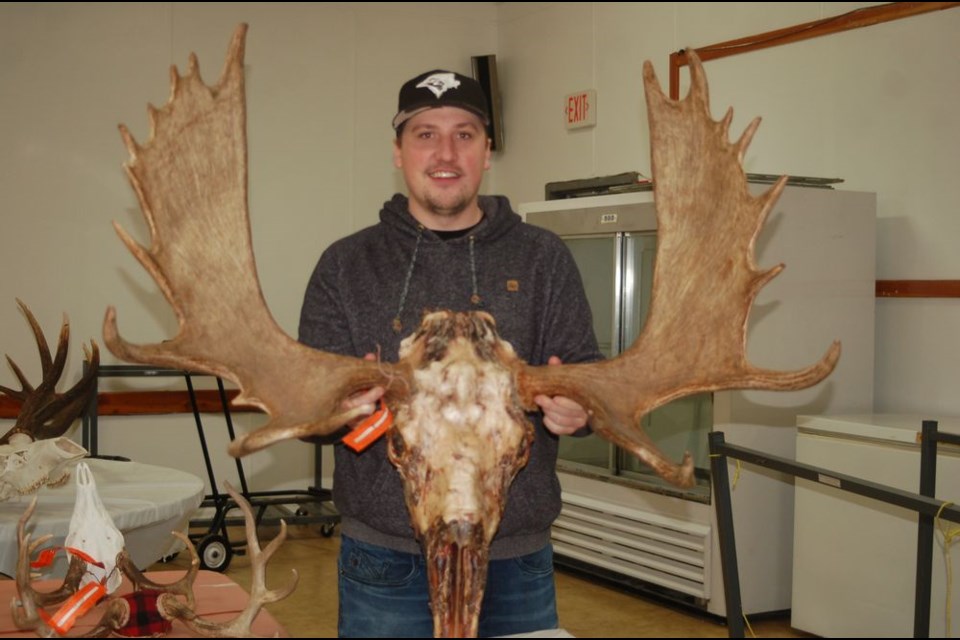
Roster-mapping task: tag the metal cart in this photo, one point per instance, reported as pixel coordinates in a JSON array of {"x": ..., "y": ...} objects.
[{"x": 214, "y": 546}]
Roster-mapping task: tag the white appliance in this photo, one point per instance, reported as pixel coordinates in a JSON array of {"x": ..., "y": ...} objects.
[
  {"x": 623, "y": 522},
  {"x": 854, "y": 557}
]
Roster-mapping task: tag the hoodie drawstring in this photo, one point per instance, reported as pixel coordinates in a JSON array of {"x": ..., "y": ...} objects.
[
  {"x": 397, "y": 324},
  {"x": 475, "y": 298}
]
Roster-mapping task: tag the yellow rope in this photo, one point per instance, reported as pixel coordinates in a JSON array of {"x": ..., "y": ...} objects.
[
  {"x": 749, "y": 628},
  {"x": 949, "y": 537},
  {"x": 736, "y": 473},
  {"x": 736, "y": 476}
]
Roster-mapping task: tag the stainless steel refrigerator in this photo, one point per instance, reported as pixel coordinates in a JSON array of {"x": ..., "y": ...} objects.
[
  {"x": 614, "y": 247},
  {"x": 621, "y": 521}
]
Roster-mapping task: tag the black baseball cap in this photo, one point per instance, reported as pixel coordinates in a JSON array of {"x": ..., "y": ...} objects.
[{"x": 439, "y": 88}]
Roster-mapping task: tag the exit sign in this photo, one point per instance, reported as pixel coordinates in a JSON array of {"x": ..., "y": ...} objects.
[{"x": 580, "y": 109}]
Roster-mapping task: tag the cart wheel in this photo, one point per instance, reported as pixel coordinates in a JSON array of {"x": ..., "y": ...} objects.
[
  {"x": 215, "y": 553},
  {"x": 326, "y": 530}
]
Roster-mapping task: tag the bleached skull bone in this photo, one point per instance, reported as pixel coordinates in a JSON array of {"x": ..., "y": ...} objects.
[{"x": 27, "y": 465}]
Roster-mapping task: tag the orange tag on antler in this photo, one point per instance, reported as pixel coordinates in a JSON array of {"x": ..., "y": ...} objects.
[
  {"x": 370, "y": 430},
  {"x": 86, "y": 557},
  {"x": 74, "y": 608},
  {"x": 44, "y": 558}
]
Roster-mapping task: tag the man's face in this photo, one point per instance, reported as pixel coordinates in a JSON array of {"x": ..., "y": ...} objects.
[{"x": 443, "y": 153}]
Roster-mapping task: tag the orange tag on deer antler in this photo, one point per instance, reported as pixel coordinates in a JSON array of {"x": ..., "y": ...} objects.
[
  {"x": 370, "y": 430},
  {"x": 44, "y": 558},
  {"x": 86, "y": 557},
  {"x": 74, "y": 608}
]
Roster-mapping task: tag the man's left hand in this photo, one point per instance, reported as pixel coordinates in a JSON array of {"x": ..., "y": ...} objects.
[{"x": 561, "y": 415}]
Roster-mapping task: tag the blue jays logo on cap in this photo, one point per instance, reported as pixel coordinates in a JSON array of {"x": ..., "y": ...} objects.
[
  {"x": 439, "y": 88},
  {"x": 438, "y": 83}
]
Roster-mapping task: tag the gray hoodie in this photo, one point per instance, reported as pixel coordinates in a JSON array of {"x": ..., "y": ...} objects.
[{"x": 524, "y": 276}]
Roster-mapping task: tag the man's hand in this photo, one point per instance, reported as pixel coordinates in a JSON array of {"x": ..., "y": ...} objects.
[
  {"x": 365, "y": 399},
  {"x": 561, "y": 415}
]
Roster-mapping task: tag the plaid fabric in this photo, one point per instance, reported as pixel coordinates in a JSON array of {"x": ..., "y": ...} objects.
[{"x": 145, "y": 619}]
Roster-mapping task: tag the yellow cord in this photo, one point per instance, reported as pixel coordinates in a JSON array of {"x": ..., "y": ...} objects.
[
  {"x": 736, "y": 473},
  {"x": 949, "y": 537},
  {"x": 749, "y": 628},
  {"x": 736, "y": 476}
]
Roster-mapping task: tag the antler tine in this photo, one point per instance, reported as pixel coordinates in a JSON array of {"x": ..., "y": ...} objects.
[
  {"x": 26, "y": 597},
  {"x": 42, "y": 346},
  {"x": 239, "y": 627},
  {"x": 704, "y": 284},
  {"x": 259, "y": 558},
  {"x": 25, "y": 386}
]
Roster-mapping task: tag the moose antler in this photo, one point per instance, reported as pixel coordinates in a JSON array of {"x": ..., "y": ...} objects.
[
  {"x": 239, "y": 627},
  {"x": 704, "y": 283},
  {"x": 45, "y": 413},
  {"x": 191, "y": 180}
]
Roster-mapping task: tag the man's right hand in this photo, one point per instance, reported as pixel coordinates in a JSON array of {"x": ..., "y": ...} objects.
[{"x": 365, "y": 400}]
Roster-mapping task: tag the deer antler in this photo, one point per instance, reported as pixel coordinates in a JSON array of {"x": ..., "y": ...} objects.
[
  {"x": 191, "y": 180},
  {"x": 704, "y": 283},
  {"x": 182, "y": 587},
  {"x": 239, "y": 627},
  {"x": 45, "y": 413},
  {"x": 23, "y": 608}
]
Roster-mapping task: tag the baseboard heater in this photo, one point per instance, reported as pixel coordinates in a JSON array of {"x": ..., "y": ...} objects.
[{"x": 633, "y": 545}]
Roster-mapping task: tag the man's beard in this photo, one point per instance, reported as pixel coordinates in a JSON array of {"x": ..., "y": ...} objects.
[{"x": 448, "y": 209}]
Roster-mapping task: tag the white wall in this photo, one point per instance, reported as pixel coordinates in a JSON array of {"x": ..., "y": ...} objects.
[
  {"x": 322, "y": 81},
  {"x": 876, "y": 106}
]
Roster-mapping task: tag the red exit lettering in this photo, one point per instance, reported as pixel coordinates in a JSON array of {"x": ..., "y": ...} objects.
[
  {"x": 577, "y": 107},
  {"x": 580, "y": 109}
]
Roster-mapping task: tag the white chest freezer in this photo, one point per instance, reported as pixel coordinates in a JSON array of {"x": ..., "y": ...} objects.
[{"x": 854, "y": 558}]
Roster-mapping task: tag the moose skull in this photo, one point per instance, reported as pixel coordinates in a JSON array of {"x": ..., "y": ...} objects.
[{"x": 458, "y": 444}]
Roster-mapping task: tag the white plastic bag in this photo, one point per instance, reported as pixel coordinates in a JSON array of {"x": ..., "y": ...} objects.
[{"x": 93, "y": 532}]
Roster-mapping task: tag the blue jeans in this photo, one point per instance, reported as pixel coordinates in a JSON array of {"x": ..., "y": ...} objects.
[{"x": 384, "y": 593}]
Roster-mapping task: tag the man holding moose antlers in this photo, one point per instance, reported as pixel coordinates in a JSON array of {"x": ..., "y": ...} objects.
[{"x": 444, "y": 247}]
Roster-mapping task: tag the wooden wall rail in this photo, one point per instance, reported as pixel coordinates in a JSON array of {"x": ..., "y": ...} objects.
[
  {"x": 142, "y": 403},
  {"x": 856, "y": 19},
  {"x": 918, "y": 288}
]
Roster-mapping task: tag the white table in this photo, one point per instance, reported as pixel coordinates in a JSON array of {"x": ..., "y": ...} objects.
[{"x": 146, "y": 503}]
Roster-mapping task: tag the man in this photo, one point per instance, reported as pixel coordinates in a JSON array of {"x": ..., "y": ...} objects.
[{"x": 445, "y": 247}]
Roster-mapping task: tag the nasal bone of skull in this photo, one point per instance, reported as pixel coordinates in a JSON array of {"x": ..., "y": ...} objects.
[
  {"x": 457, "y": 570},
  {"x": 462, "y": 533}
]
